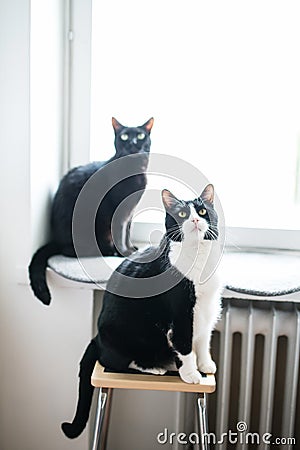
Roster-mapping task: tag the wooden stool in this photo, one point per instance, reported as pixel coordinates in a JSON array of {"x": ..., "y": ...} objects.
[{"x": 107, "y": 381}]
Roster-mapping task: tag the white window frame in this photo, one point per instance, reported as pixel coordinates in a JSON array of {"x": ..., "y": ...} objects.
[
  {"x": 79, "y": 77},
  {"x": 78, "y": 66}
]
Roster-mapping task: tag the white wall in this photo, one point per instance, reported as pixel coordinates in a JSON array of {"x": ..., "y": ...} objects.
[
  {"x": 47, "y": 44},
  {"x": 39, "y": 347}
]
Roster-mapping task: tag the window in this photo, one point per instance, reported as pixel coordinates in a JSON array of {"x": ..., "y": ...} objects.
[{"x": 222, "y": 81}]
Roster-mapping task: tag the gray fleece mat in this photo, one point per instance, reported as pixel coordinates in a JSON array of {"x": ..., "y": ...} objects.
[{"x": 262, "y": 274}]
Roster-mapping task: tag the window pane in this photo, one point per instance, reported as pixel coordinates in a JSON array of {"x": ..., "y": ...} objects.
[{"x": 222, "y": 82}]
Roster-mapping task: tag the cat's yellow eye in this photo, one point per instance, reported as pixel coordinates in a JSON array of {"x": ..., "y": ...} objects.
[
  {"x": 202, "y": 212},
  {"x": 141, "y": 136},
  {"x": 182, "y": 214},
  {"x": 124, "y": 137}
]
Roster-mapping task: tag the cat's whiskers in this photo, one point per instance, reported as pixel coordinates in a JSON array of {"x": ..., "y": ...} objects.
[
  {"x": 211, "y": 233},
  {"x": 173, "y": 231},
  {"x": 176, "y": 234},
  {"x": 173, "y": 228}
]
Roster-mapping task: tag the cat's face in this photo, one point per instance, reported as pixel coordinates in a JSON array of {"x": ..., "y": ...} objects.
[
  {"x": 132, "y": 140},
  {"x": 191, "y": 221}
]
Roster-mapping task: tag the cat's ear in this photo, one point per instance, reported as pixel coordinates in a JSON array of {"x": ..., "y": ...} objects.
[
  {"x": 148, "y": 125},
  {"x": 208, "y": 194},
  {"x": 169, "y": 200},
  {"x": 116, "y": 125}
]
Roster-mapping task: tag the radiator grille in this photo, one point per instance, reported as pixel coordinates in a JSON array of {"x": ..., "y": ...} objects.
[{"x": 257, "y": 349}]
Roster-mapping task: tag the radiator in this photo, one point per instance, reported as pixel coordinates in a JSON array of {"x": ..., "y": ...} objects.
[{"x": 257, "y": 349}]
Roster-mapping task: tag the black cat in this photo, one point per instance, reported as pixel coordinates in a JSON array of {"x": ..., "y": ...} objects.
[
  {"x": 172, "y": 322},
  {"x": 117, "y": 184}
]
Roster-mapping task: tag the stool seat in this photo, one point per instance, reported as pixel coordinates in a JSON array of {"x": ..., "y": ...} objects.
[
  {"x": 106, "y": 381},
  {"x": 174, "y": 383}
]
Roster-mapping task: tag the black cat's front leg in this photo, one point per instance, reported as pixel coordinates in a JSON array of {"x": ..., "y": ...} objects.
[
  {"x": 121, "y": 239},
  {"x": 121, "y": 221},
  {"x": 180, "y": 338},
  {"x": 130, "y": 247}
]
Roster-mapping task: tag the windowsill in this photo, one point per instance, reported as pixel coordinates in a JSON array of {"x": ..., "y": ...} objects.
[{"x": 249, "y": 275}]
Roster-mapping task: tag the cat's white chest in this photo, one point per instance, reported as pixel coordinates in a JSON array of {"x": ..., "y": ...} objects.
[
  {"x": 197, "y": 266},
  {"x": 190, "y": 261}
]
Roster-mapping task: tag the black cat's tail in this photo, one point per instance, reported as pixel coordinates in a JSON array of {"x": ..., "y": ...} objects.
[
  {"x": 85, "y": 394},
  {"x": 37, "y": 271}
]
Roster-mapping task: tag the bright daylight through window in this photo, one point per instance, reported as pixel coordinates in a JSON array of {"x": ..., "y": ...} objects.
[{"x": 222, "y": 82}]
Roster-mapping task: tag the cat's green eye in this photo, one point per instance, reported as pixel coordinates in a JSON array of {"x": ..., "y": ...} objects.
[
  {"x": 124, "y": 137},
  {"x": 202, "y": 212},
  {"x": 182, "y": 214},
  {"x": 141, "y": 136}
]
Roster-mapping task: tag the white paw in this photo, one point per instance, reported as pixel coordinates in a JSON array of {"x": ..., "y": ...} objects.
[
  {"x": 208, "y": 366},
  {"x": 192, "y": 377},
  {"x": 157, "y": 371},
  {"x": 153, "y": 370}
]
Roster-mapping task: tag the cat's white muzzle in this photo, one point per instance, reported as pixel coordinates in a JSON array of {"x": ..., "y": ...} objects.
[{"x": 194, "y": 229}]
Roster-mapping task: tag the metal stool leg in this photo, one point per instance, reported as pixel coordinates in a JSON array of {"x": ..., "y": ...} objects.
[
  {"x": 99, "y": 418},
  {"x": 106, "y": 417},
  {"x": 202, "y": 421}
]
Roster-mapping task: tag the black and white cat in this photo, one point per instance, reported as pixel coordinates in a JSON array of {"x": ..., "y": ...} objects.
[
  {"x": 133, "y": 141},
  {"x": 165, "y": 328}
]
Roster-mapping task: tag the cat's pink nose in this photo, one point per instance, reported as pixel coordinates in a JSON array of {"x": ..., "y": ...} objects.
[{"x": 195, "y": 220}]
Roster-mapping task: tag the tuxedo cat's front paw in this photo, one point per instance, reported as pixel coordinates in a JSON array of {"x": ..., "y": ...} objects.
[
  {"x": 190, "y": 376},
  {"x": 208, "y": 366}
]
